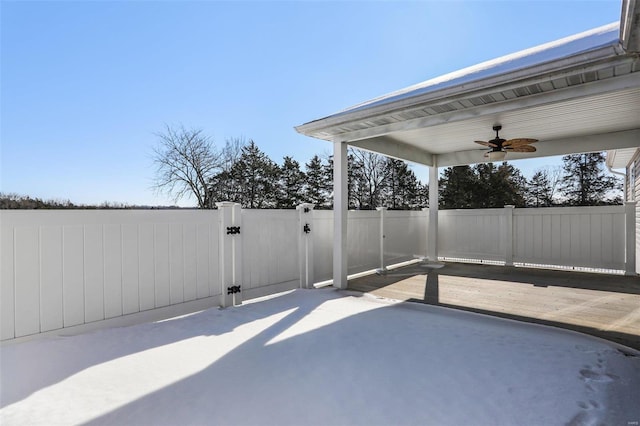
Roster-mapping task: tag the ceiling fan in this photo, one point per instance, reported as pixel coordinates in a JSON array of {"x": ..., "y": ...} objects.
[{"x": 500, "y": 147}]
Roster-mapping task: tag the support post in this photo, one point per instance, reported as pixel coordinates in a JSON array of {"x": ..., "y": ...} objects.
[
  {"x": 426, "y": 233},
  {"x": 382, "y": 211},
  {"x": 305, "y": 245},
  {"x": 432, "y": 243},
  {"x": 340, "y": 206},
  {"x": 630, "y": 237},
  {"x": 508, "y": 234},
  {"x": 230, "y": 253}
]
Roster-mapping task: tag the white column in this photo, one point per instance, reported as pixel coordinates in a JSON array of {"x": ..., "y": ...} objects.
[
  {"x": 230, "y": 253},
  {"x": 426, "y": 233},
  {"x": 508, "y": 235},
  {"x": 382, "y": 211},
  {"x": 305, "y": 246},
  {"x": 432, "y": 243},
  {"x": 340, "y": 206},
  {"x": 630, "y": 238}
]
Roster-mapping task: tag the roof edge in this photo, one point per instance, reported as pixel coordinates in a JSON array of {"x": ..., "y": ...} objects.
[{"x": 604, "y": 43}]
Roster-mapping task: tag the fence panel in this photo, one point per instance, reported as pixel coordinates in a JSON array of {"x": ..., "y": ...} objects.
[
  {"x": 322, "y": 235},
  {"x": 471, "y": 234},
  {"x": 270, "y": 251},
  {"x": 66, "y": 268},
  {"x": 363, "y": 240},
  {"x": 405, "y": 235},
  {"x": 592, "y": 237}
]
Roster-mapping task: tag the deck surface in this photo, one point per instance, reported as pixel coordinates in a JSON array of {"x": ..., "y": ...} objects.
[{"x": 606, "y": 306}]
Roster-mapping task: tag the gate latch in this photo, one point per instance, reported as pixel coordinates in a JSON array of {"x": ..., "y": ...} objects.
[{"x": 306, "y": 228}]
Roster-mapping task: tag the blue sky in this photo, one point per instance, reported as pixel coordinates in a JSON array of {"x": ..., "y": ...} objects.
[{"x": 85, "y": 85}]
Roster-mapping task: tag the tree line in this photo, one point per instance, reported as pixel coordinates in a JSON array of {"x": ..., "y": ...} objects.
[
  {"x": 25, "y": 202},
  {"x": 580, "y": 181},
  {"x": 189, "y": 163},
  {"x": 13, "y": 201}
]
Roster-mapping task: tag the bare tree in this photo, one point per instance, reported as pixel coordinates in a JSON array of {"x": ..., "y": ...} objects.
[
  {"x": 232, "y": 152},
  {"x": 186, "y": 160},
  {"x": 370, "y": 174}
]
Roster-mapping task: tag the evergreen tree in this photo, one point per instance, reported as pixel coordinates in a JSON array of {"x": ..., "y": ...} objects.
[
  {"x": 401, "y": 189},
  {"x": 585, "y": 183},
  {"x": 317, "y": 188},
  {"x": 290, "y": 185},
  {"x": 498, "y": 186},
  {"x": 541, "y": 189},
  {"x": 257, "y": 178},
  {"x": 457, "y": 186},
  {"x": 223, "y": 186},
  {"x": 422, "y": 195},
  {"x": 482, "y": 186},
  {"x": 353, "y": 174}
]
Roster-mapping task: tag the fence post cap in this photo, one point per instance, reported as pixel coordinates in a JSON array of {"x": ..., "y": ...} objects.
[
  {"x": 303, "y": 206},
  {"x": 381, "y": 208},
  {"x": 225, "y": 204}
]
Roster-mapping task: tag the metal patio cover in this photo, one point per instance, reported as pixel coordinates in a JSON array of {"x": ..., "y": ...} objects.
[{"x": 577, "y": 94}]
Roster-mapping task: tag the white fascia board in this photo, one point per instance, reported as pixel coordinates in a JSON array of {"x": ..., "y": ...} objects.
[{"x": 548, "y": 148}]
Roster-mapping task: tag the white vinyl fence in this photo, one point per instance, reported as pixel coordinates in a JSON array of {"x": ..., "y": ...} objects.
[
  {"x": 473, "y": 234},
  {"x": 270, "y": 251},
  {"x": 66, "y": 268},
  {"x": 588, "y": 237},
  {"x": 397, "y": 235},
  {"x": 577, "y": 236}
]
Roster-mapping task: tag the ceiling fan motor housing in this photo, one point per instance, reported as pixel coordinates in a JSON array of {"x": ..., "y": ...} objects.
[
  {"x": 498, "y": 140},
  {"x": 498, "y": 146}
]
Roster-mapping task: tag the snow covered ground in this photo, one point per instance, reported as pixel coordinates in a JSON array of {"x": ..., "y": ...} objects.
[{"x": 321, "y": 357}]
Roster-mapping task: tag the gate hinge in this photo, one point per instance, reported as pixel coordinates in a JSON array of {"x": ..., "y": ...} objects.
[
  {"x": 306, "y": 228},
  {"x": 231, "y": 230},
  {"x": 233, "y": 289}
]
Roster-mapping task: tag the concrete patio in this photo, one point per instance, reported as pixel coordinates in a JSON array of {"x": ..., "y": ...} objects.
[{"x": 606, "y": 306}]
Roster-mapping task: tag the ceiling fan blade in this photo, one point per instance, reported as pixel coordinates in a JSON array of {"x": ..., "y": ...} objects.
[
  {"x": 521, "y": 148},
  {"x": 493, "y": 145},
  {"x": 518, "y": 142}
]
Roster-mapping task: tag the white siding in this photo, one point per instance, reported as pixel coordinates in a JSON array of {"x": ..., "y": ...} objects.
[{"x": 634, "y": 188}]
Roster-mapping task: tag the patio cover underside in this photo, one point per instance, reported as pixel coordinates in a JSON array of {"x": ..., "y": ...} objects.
[{"x": 575, "y": 95}]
